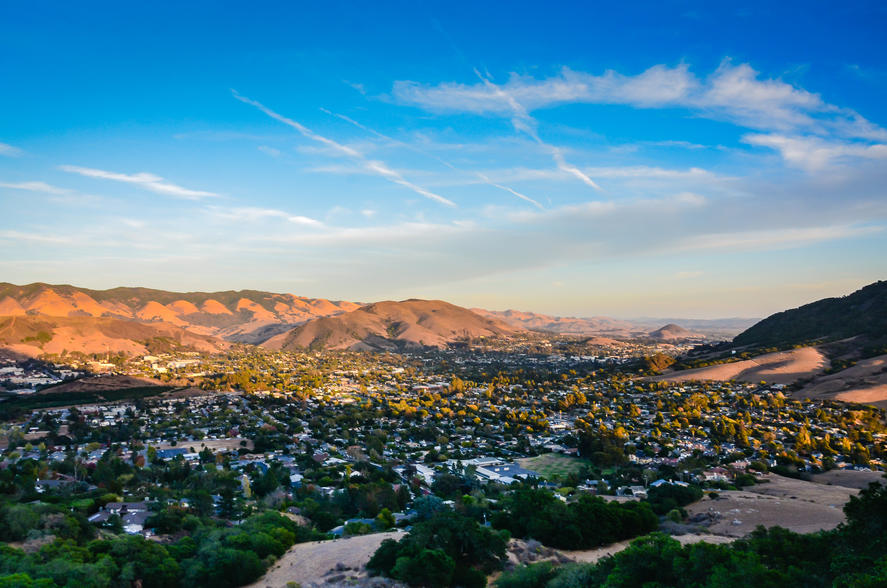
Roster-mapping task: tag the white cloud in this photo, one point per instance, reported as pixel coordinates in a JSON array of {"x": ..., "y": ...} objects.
[
  {"x": 689, "y": 199},
  {"x": 378, "y": 167},
  {"x": 252, "y": 214},
  {"x": 269, "y": 150},
  {"x": 9, "y": 150},
  {"x": 144, "y": 180},
  {"x": 773, "y": 239},
  {"x": 524, "y": 174},
  {"x": 404, "y": 234},
  {"x": 813, "y": 153},
  {"x": 37, "y": 237},
  {"x": 36, "y": 187},
  {"x": 733, "y": 92}
]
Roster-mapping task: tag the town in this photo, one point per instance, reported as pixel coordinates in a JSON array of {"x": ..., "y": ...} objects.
[{"x": 339, "y": 438}]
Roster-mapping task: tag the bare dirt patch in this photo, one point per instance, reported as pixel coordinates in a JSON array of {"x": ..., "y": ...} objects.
[
  {"x": 783, "y": 367},
  {"x": 318, "y": 562},
  {"x": 797, "y": 505},
  {"x": 865, "y": 383}
]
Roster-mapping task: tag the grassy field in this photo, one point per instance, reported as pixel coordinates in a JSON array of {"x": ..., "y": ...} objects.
[
  {"x": 551, "y": 465},
  {"x": 17, "y": 405}
]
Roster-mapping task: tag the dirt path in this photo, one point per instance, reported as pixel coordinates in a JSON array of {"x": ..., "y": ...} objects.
[
  {"x": 595, "y": 555},
  {"x": 10, "y": 325}
]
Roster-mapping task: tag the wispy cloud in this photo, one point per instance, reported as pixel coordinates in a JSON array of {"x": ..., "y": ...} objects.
[
  {"x": 143, "y": 180},
  {"x": 378, "y": 167},
  {"x": 36, "y": 187},
  {"x": 754, "y": 240},
  {"x": 36, "y": 237},
  {"x": 814, "y": 153},
  {"x": 250, "y": 213},
  {"x": 732, "y": 92},
  {"x": 9, "y": 150},
  {"x": 273, "y": 152}
]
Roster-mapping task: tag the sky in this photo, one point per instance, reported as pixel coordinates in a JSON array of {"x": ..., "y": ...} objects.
[{"x": 689, "y": 159}]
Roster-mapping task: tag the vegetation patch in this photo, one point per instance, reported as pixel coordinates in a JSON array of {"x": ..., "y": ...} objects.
[{"x": 555, "y": 465}]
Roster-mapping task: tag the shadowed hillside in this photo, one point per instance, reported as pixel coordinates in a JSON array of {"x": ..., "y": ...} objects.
[{"x": 862, "y": 313}]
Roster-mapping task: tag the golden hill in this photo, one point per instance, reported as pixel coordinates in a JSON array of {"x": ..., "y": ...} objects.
[
  {"x": 36, "y": 335},
  {"x": 245, "y": 316},
  {"x": 392, "y": 326}
]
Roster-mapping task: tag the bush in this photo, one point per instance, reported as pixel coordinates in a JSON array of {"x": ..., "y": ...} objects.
[
  {"x": 532, "y": 576},
  {"x": 588, "y": 522},
  {"x": 666, "y": 497},
  {"x": 448, "y": 549}
]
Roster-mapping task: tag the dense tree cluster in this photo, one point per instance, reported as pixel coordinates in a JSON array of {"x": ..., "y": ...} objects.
[
  {"x": 211, "y": 555},
  {"x": 853, "y": 555},
  {"x": 449, "y": 549},
  {"x": 588, "y": 522}
]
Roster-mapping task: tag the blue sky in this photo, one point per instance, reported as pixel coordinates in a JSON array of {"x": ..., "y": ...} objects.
[{"x": 661, "y": 159}]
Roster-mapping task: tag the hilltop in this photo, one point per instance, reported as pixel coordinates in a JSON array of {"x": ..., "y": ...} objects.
[
  {"x": 673, "y": 332},
  {"x": 832, "y": 349},
  {"x": 392, "y": 326}
]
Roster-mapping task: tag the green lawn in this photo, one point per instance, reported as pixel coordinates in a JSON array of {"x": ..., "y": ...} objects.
[{"x": 549, "y": 465}]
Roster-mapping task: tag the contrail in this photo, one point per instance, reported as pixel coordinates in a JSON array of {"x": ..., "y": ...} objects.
[
  {"x": 376, "y": 167},
  {"x": 481, "y": 176},
  {"x": 523, "y": 122}
]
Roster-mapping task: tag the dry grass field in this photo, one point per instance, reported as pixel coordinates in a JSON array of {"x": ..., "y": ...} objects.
[
  {"x": 318, "y": 562},
  {"x": 797, "y": 505},
  {"x": 213, "y": 444},
  {"x": 549, "y": 465},
  {"x": 783, "y": 367}
]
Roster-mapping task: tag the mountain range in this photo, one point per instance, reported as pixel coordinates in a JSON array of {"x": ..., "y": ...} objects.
[{"x": 43, "y": 318}]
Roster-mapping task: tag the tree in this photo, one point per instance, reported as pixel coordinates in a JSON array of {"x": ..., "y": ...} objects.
[{"x": 385, "y": 520}]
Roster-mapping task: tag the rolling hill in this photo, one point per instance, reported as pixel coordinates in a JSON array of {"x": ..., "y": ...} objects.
[
  {"x": 392, "y": 326},
  {"x": 35, "y": 335},
  {"x": 673, "y": 332},
  {"x": 243, "y": 316},
  {"x": 862, "y": 314},
  {"x": 599, "y": 325},
  {"x": 636, "y": 328},
  {"x": 834, "y": 347}
]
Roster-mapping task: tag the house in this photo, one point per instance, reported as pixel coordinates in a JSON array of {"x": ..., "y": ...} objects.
[
  {"x": 132, "y": 515},
  {"x": 168, "y": 454},
  {"x": 504, "y": 474}
]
